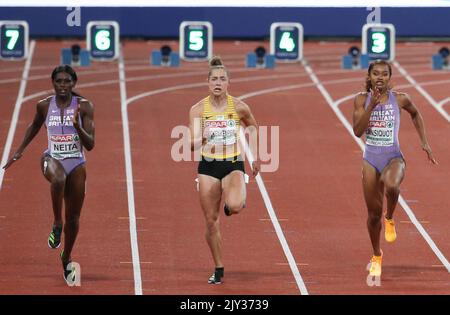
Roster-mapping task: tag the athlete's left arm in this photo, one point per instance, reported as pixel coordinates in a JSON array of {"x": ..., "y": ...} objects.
[
  {"x": 246, "y": 116},
  {"x": 405, "y": 102},
  {"x": 87, "y": 131}
]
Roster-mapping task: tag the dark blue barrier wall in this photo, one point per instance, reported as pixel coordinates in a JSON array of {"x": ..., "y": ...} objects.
[{"x": 233, "y": 22}]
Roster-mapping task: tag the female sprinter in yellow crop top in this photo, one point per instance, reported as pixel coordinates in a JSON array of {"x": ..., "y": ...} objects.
[{"x": 214, "y": 125}]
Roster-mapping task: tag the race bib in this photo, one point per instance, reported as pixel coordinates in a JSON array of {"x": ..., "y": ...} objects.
[
  {"x": 221, "y": 131},
  {"x": 65, "y": 146},
  {"x": 380, "y": 133}
]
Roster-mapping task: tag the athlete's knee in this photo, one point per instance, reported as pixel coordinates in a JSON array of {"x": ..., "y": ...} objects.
[
  {"x": 72, "y": 219},
  {"x": 212, "y": 228},
  {"x": 392, "y": 189},
  {"x": 374, "y": 217},
  {"x": 212, "y": 224},
  {"x": 235, "y": 206},
  {"x": 58, "y": 182}
]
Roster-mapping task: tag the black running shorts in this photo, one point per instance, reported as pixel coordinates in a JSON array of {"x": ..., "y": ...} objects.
[{"x": 220, "y": 168}]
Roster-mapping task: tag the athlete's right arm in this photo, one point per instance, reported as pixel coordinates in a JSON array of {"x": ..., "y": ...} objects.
[
  {"x": 31, "y": 132},
  {"x": 361, "y": 115},
  {"x": 195, "y": 127}
]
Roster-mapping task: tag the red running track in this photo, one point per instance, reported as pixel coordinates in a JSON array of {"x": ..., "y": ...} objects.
[{"x": 316, "y": 191}]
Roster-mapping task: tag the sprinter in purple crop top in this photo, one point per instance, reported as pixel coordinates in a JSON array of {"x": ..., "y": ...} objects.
[
  {"x": 377, "y": 115},
  {"x": 69, "y": 119}
]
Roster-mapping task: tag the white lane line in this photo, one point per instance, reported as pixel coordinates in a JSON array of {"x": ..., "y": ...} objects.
[
  {"x": 148, "y": 77},
  {"x": 16, "y": 112},
  {"x": 157, "y": 76},
  {"x": 276, "y": 89},
  {"x": 132, "y": 79},
  {"x": 136, "y": 97},
  {"x": 442, "y": 103},
  {"x": 276, "y": 224},
  {"x": 330, "y": 101},
  {"x": 403, "y": 203},
  {"x": 268, "y": 203},
  {"x": 427, "y": 72},
  {"x": 129, "y": 175},
  {"x": 79, "y": 73},
  {"x": 15, "y": 69},
  {"x": 402, "y": 86},
  {"x": 203, "y": 84},
  {"x": 107, "y": 71},
  {"x": 291, "y": 260},
  {"x": 259, "y": 180},
  {"x": 177, "y": 75},
  {"x": 425, "y": 94},
  {"x": 428, "y": 83}
]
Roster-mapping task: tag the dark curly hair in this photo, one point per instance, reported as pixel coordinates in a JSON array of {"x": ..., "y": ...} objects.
[{"x": 372, "y": 64}]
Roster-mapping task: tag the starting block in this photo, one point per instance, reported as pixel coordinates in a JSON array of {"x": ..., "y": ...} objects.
[
  {"x": 439, "y": 62},
  {"x": 352, "y": 62},
  {"x": 67, "y": 58},
  {"x": 157, "y": 59},
  {"x": 268, "y": 61}
]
